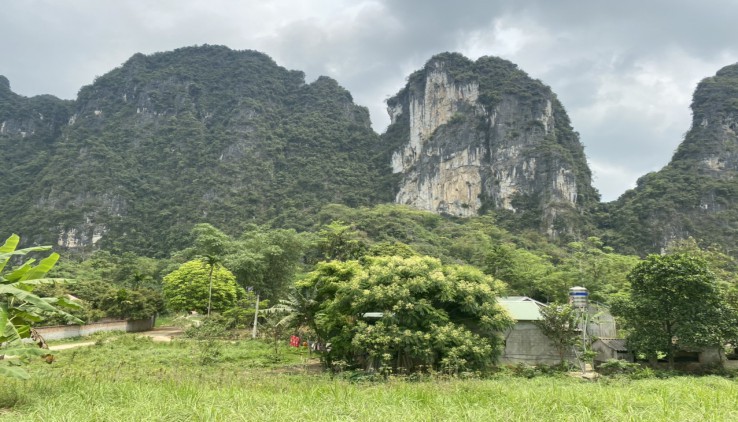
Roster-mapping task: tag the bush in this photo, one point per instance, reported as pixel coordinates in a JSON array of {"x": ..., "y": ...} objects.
[
  {"x": 524, "y": 370},
  {"x": 427, "y": 315},
  {"x": 212, "y": 327},
  {"x": 619, "y": 367}
]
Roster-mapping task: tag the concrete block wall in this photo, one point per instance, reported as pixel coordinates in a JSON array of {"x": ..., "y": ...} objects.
[
  {"x": 525, "y": 343},
  {"x": 59, "y": 332}
]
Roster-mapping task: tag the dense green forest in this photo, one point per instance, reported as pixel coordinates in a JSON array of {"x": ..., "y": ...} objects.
[
  {"x": 269, "y": 260},
  {"x": 171, "y": 139},
  {"x": 435, "y": 274}
]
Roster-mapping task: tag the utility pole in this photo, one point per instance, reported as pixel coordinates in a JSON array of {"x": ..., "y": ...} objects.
[{"x": 256, "y": 317}]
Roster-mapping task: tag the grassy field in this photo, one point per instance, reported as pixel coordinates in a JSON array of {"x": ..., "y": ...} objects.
[{"x": 134, "y": 379}]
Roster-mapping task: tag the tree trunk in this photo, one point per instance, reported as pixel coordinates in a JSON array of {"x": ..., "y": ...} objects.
[{"x": 210, "y": 290}]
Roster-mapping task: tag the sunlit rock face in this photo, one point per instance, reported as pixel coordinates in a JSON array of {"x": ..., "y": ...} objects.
[{"x": 476, "y": 134}]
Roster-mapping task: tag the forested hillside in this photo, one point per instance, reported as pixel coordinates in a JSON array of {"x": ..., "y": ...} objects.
[
  {"x": 169, "y": 140},
  {"x": 696, "y": 194}
]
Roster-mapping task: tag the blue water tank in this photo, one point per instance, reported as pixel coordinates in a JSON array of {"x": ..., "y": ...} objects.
[{"x": 578, "y": 297}]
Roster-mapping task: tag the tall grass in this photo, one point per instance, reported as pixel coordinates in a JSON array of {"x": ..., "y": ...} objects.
[{"x": 138, "y": 380}]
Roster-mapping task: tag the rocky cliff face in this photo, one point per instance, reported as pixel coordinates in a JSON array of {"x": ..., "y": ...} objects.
[
  {"x": 470, "y": 136},
  {"x": 696, "y": 194}
]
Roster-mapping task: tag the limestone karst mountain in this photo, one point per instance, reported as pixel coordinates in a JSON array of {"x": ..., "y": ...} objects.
[
  {"x": 172, "y": 139},
  {"x": 473, "y": 136},
  {"x": 209, "y": 134},
  {"x": 696, "y": 194}
]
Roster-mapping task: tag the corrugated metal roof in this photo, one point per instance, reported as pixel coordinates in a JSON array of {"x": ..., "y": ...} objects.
[
  {"x": 521, "y": 310},
  {"x": 617, "y": 344}
]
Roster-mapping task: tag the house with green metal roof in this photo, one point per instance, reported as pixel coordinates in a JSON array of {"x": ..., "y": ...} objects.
[{"x": 524, "y": 341}]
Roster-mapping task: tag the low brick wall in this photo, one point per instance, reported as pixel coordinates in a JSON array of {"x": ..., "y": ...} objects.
[{"x": 59, "y": 332}]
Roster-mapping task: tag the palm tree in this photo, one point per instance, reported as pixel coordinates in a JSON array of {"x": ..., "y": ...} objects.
[
  {"x": 212, "y": 261},
  {"x": 298, "y": 308}
]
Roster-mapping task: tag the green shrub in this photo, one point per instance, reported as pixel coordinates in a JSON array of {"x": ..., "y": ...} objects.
[
  {"x": 619, "y": 367},
  {"x": 212, "y": 327}
]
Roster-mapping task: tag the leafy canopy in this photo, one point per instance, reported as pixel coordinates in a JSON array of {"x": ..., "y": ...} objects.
[
  {"x": 187, "y": 288},
  {"x": 20, "y": 308},
  {"x": 430, "y": 315},
  {"x": 675, "y": 303}
]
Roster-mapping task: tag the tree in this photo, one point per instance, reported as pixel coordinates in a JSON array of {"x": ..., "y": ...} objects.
[
  {"x": 131, "y": 304},
  {"x": 522, "y": 270},
  {"x": 187, "y": 288},
  {"x": 20, "y": 308},
  {"x": 266, "y": 259},
  {"x": 559, "y": 324},
  {"x": 408, "y": 314},
  {"x": 210, "y": 245},
  {"x": 298, "y": 309},
  {"x": 262, "y": 259},
  {"x": 593, "y": 265},
  {"x": 340, "y": 241},
  {"x": 675, "y": 303}
]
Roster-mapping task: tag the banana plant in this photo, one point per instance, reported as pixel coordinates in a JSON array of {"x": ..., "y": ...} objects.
[{"x": 20, "y": 308}]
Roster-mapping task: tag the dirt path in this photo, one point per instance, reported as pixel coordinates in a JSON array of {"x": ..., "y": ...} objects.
[
  {"x": 71, "y": 345},
  {"x": 163, "y": 334}
]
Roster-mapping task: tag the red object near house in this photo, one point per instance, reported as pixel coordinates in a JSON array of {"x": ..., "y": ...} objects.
[{"x": 295, "y": 341}]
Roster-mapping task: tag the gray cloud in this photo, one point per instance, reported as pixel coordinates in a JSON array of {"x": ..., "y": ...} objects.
[{"x": 624, "y": 70}]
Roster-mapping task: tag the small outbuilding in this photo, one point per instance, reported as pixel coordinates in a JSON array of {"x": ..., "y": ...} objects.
[{"x": 611, "y": 348}]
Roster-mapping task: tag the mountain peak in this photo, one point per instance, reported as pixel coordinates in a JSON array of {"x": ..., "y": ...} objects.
[
  {"x": 475, "y": 135},
  {"x": 4, "y": 83}
]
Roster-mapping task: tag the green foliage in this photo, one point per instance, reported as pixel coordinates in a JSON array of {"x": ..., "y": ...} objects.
[
  {"x": 433, "y": 316},
  {"x": 199, "y": 134},
  {"x": 264, "y": 260},
  {"x": 99, "y": 299},
  {"x": 523, "y": 370},
  {"x": 592, "y": 265},
  {"x": 614, "y": 367},
  {"x": 187, "y": 288},
  {"x": 20, "y": 308},
  {"x": 695, "y": 194},
  {"x": 241, "y": 315},
  {"x": 125, "y": 270},
  {"x": 340, "y": 241},
  {"x": 560, "y": 324},
  {"x": 528, "y": 262},
  {"x": 297, "y": 311},
  {"x": 675, "y": 303},
  {"x": 132, "y": 304},
  {"x": 210, "y": 328}
]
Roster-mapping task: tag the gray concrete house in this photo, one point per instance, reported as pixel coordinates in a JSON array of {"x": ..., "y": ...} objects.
[{"x": 524, "y": 341}]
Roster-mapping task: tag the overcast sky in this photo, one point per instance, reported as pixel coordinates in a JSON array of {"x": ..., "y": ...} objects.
[{"x": 625, "y": 70}]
